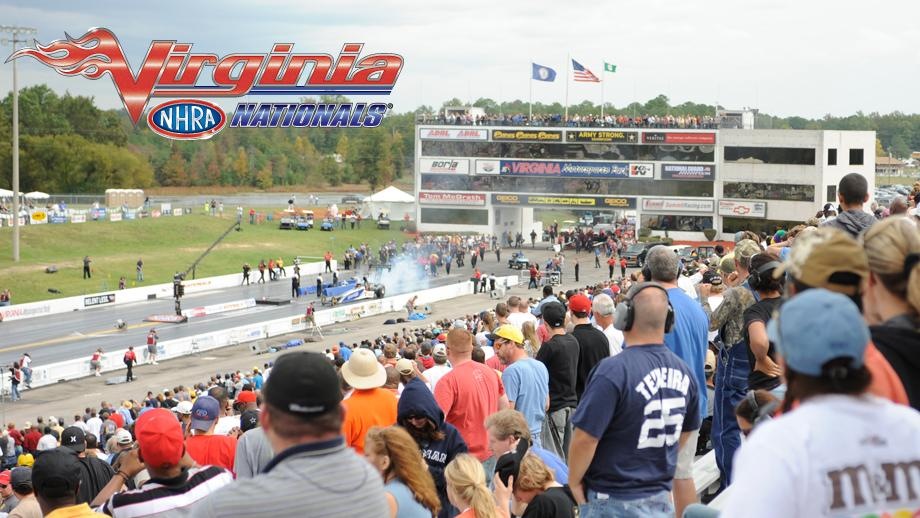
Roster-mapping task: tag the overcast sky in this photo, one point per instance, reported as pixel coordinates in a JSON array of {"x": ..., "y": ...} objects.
[{"x": 785, "y": 57}]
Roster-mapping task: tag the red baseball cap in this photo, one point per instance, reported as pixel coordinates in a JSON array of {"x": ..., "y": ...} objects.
[
  {"x": 117, "y": 419},
  {"x": 5, "y": 478},
  {"x": 159, "y": 438},
  {"x": 246, "y": 396},
  {"x": 579, "y": 303}
]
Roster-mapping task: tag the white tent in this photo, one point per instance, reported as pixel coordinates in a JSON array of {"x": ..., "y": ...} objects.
[
  {"x": 36, "y": 195},
  {"x": 392, "y": 202},
  {"x": 5, "y": 193}
]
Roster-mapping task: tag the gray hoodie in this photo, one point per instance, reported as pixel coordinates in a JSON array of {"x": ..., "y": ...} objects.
[{"x": 851, "y": 221}]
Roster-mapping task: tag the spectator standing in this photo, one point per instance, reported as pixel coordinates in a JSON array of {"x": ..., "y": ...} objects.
[
  {"x": 152, "y": 339},
  {"x": 831, "y": 453},
  {"x": 526, "y": 380},
  {"x": 369, "y": 404},
  {"x": 439, "y": 441},
  {"x": 689, "y": 340},
  {"x": 87, "y": 271},
  {"x": 9, "y": 500},
  {"x": 21, "y": 483},
  {"x": 314, "y": 472},
  {"x": 628, "y": 428},
  {"x": 765, "y": 372},
  {"x": 603, "y": 308},
  {"x": 25, "y": 363},
  {"x": 434, "y": 374},
  {"x": 94, "y": 472},
  {"x": 592, "y": 343},
  {"x": 56, "y": 481},
  {"x": 139, "y": 270},
  {"x": 852, "y": 194},
  {"x": 202, "y": 445},
  {"x": 469, "y": 393},
  {"x": 559, "y": 354}
]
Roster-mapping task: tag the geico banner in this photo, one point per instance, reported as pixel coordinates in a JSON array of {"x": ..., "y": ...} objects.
[
  {"x": 642, "y": 171},
  {"x": 743, "y": 209},
  {"x": 687, "y": 171},
  {"x": 671, "y": 205},
  {"x": 526, "y": 136},
  {"x": 565, "y": 169},
  {"x": 628, "y": 137},
  {"x": 451, "y": 198},
  {"x": 488, "y": 166},
  {"x": 661, "y": 137},
  {"x": 453, "y": 134},
  {"x": 543, "y": 200},
  {"x": 444, "y": 165}
]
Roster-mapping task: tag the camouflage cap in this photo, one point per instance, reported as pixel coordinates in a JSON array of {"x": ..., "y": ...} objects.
[{"x": 819, "y": 256}]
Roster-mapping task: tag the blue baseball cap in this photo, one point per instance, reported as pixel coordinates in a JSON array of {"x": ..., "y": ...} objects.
[
  {"x": 205, "y": 411},
  {"x": 817, "y": 326}
]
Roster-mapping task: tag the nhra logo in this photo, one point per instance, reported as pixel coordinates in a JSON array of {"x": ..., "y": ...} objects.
[{"x": 170, "y": 70}]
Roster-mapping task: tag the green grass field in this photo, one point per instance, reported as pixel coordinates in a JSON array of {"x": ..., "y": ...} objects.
[{"x": 167, "y": 245}]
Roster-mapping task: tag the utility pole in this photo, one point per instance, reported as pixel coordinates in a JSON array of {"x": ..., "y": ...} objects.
[{"x": 15, "y": 32}]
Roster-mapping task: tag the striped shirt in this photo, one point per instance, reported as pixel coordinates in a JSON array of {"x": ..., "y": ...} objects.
[
  {"x": 321, "y": 480},
  {"x": 172, "y": 497}
]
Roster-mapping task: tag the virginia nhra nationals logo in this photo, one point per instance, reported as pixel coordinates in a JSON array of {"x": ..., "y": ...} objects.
[{"x": 170, "y": 70}]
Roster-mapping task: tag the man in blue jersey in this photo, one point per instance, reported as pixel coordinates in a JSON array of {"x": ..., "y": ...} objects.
[
  {"x": 689, "y": 340},
  {"x": 638, "y": 410}
]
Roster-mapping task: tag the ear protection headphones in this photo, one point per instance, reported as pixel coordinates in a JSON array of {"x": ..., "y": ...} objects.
[
  {"x": 756, "y": 277},
  {"x": 625, "y": 314},
  {"x": 647, "y": 272},
  {"x": 760, "y": 413}
]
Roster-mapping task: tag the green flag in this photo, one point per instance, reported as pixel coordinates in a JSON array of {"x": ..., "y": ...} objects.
[{"x": 609, "y": 68}]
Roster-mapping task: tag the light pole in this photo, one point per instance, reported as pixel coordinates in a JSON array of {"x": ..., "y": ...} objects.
[{"x": 15, "y": 32}]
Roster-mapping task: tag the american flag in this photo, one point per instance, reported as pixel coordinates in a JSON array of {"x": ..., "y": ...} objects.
[{"x": 582, "y": 74}]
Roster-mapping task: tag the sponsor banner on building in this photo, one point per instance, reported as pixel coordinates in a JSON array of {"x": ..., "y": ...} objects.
[
  {"x": 444, "y": 165},
  {"x": 642, "y": 171},
  {"x": 454, "y": 134},
  {"x": 452, "y": 198},
  {"x": 674, "y": 205},
  {"x": 743, "y": 209},
  {"x": 565, "y": 169},
  {"x": 78, "y": 218},
  {"x": 115, "y": 216},
  {"x": 661, "y": 137},
  {"x": 58, "y": 219},
  {"x": 626, "y": 137},
  {"x": 540, "y": 200},
  {"x": 526, "y": 136},
  {"x": 96, "y": 300},
  {"x": 38, "y": 217},
  {"x": 488, "y": 166},
  {"x": 687, "y": 171}
]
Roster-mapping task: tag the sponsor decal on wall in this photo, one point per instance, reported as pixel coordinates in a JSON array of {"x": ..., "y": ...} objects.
[
  {"x": 488, "y": 166},
  {"x": 743, "y": 209},
  {"x": 526, "y": 136},
  {"x": 687, "y": 171},
  {"x": 661, "y": 137},
  {"x": 565, "y": 169},
  {"x": 677, "y": 205},
  {"x": 454, "y": 134},
  {"x": 444, "y": 165},
  {"x": 451, "y": 198},
  {"x": 539, "y": 200},
  {"x": 97, "y": 300},
  {"x": 626, "y": 137}
]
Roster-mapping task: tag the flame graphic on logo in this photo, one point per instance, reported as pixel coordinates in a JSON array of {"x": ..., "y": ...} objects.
[{"x": 93, "y": 55}]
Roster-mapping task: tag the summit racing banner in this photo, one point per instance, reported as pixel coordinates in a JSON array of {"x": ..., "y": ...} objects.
[
  {"x": 543, "y": 200},
  {"x": 565, "y": 169},
  {"x": 171, "y": 70}
]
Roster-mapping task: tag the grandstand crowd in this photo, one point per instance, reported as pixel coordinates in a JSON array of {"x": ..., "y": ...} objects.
[
  {"x": 793, "y": 357},
  {"x": 588, "y": 121}
]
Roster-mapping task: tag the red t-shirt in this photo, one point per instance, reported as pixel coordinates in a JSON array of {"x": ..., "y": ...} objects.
[
  {"x": 215, "y": 450},
  {"x": 468, "y": 394}
]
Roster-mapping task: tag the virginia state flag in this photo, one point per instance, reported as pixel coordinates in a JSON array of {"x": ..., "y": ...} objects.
[{"x": 541, "y": 73}]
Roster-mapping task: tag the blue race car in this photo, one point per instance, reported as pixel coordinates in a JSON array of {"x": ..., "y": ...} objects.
[{"x": 327, "y": 225}]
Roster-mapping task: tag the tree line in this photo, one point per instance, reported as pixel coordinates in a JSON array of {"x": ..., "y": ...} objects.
[{"x": 67, "y": 144}]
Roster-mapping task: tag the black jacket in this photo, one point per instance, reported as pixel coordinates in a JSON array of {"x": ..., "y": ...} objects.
[{"x": 900, "y": 345}]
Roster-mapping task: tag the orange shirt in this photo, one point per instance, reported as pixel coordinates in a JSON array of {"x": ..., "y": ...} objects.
[
  {"x": 214, "y": 450},
  {"x": 885, "y": 381},
  {"x": 364, "y": 409}
]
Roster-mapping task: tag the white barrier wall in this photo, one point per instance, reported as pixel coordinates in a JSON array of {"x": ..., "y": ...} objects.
[
  {"x": 109, "y": 298},
  {"x": 112, "y": 360}
]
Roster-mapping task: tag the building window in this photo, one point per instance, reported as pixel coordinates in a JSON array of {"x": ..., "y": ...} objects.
[
  {"x": 456, "y": 216},
  {"x": 831, "y": 194},
  {"x": 832, "y": 156},
  {"x": 856, "y": 157},
  {"x": 768, "y": 191},
  {"x": 770, "y": 155},
  {"x": 518, "y": 184},
  {"x": 676, "y": 223},
  {"x": 766, "y": 226}
]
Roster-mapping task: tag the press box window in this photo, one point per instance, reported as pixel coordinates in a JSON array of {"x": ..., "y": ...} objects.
[
  {"x": 770, "y": 155},
  {"x": 456, "y": 216},
  {"x": 856, "y": 157},
  {"x": 832, "y": 156},
  {"x": 676, "y": 223}
]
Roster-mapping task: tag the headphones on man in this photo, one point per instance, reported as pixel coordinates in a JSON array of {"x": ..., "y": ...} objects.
[
  {"x": 761, "y": 414},
  {"x": 756, "y": 277},
  {"x": 625, "y": 314}
]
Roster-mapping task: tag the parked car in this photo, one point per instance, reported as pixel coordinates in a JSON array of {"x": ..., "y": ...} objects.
[
  {"x": 352, "y": 198},
  {"x": 636, "y": 252}
]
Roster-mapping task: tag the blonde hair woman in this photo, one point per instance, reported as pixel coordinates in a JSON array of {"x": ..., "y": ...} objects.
[
  {"x": 531, "y": 342},
  {"x": 409, "y": 487},
  {"x": 466, "y": 488},
  {"x": 891, "y": 298}
]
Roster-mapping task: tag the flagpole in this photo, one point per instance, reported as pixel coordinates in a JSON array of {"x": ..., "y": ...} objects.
[
  {"x": 530, "y": 104},
  {"x": 568, "y": 63},
  {"x": 603, "y": 80}
]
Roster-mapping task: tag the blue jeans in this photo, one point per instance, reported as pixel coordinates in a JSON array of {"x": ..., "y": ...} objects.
[
  {"x": 655, "y": 506},
  {"x": 14, "y": 392},
  {"x": 731, "y": 386},
  {"x": 700, "y": 511},
  {"x": 27, "y": 373}
]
